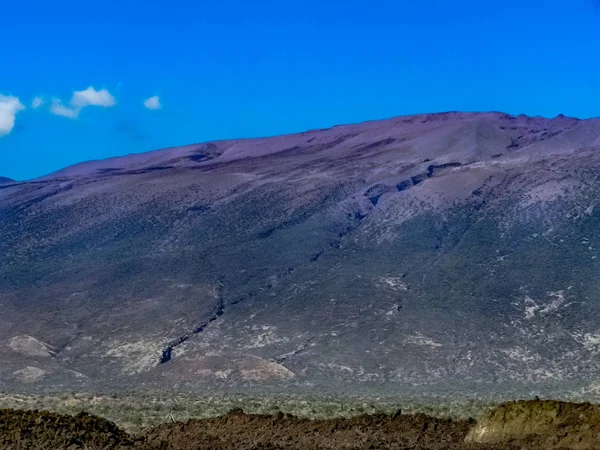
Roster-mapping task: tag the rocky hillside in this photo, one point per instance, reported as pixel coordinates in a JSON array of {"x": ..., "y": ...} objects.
[{"x": 419, "y": 249}]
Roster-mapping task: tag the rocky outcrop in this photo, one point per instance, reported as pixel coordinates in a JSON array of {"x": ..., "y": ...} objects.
[{"x": 551, "y": 424}]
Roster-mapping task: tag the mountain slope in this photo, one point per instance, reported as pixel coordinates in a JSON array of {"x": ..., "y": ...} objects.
[{"x": 418, "y": 249}]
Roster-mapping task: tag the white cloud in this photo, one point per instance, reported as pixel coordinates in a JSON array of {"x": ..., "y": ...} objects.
[
  {"x": 58, "y": 109},
  {"x": 80, "y": 100},
  {"x": 153, "y": 103},
  {"x": 92, "y": 97},
  {"x": 37, "y": 102},
  {"x": 9, "y": 107}
]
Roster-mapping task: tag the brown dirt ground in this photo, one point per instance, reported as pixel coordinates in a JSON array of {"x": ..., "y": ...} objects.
[
  {"x": 236, "y": 430},
  {"x": 45, "y": 431}
]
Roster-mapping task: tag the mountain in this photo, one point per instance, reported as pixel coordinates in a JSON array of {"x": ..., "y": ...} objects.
[
  {"x": 4, "y": 180},
  {"x": 454, "y": 247}
]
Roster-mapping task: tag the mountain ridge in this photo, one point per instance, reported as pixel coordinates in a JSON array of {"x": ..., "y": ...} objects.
[{"x": 226, "y": 142}]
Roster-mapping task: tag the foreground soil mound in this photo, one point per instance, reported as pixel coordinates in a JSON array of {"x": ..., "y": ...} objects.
[
  {"x": 237, "y": 430},
  {"x": 45, "y": 430},
  {"x": 549, "y": 424},
  {"x": 520, "y": 425}
]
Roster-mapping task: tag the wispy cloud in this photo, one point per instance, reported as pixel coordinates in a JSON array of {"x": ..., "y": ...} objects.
[
  {"x": 9, "y": 107},
  {"x": 80, "y": 100},
  {"x": 92, "y": 97},
  {"x": 37, "y": 102},
  {"x": 58, "y": 109},
  {"x": 153, "y": 103}
]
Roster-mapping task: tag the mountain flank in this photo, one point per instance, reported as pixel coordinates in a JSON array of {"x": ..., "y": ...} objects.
[{"x": 454, "y": 247}]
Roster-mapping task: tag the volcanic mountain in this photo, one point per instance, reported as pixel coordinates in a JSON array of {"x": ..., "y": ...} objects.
[{"x": 444, "y": 247}]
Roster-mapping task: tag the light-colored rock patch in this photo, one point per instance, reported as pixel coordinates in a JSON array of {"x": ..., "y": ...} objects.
[
  {"x": 393, "y": 283},
  {"x": 137, "y": 357},
  {"x": 589, "y": 341},
  {"x": 521, "y": 354},
  {"x": 339, "y": 368},
  {"x": 550, "y": 191},
  {"x": 259, "y": 369},
  {"x": 420, "y": 339},
  {"x": 30, "y": 374},
  {"x": 30, "y": 346},
  {"x": 533, "y": 308},
  {"x": 264, "y": 335}
]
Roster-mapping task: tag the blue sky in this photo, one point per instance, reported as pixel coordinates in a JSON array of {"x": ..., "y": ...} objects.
[{"x": 255, "y": 68}]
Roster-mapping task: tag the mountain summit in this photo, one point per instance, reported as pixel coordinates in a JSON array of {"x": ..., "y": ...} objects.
[{"x": 441, "y": 247}]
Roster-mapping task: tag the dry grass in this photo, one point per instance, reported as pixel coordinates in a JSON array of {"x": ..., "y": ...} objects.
[{"x": 135, "y": 412}]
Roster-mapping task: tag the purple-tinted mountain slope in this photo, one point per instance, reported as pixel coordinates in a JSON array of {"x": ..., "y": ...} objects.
[{"x": 443, "y": 247}]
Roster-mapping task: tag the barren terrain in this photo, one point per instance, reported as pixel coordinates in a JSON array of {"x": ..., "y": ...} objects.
[
  {"x": 454, "y": 248},
  {"x": 518, "y": 425}
]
